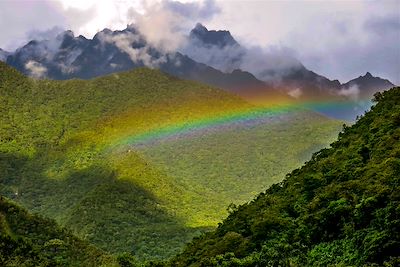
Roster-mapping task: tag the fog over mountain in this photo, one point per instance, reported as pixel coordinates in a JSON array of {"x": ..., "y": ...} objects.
[
  {"x": 355, "y": 37},
  {"x": 209, "y": 56},
  {"x": 220, "y": 50},
  {"x": 163, "y": 36},
  {"x": 66, "y": 56}
]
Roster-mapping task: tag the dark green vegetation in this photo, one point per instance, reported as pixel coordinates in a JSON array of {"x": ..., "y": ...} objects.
[
  {"x": 58, "y": 157},
  {"x": 28, "y": 240},
  {"x": 342, "y": 208}
]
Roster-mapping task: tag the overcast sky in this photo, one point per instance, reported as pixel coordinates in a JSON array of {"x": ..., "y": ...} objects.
[{"x": 338, "y": 39}]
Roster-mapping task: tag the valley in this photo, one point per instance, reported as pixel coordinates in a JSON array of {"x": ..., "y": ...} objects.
[{"x": 63, "y": 156}]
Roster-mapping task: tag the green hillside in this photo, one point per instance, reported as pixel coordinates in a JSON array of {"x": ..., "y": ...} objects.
[
  {"x": 61, "y": 156},
  {"x": 29, "y": 240},
  {"x": 342, "y": 208},
  {"x": 234, "y": 165}
]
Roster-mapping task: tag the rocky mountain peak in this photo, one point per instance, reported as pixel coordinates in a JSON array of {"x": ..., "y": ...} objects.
[{"x": 219, "y": 38}]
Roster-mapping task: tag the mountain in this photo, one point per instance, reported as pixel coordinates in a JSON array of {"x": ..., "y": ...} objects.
[
  {"x": 283, "y": 73},
  {"x": 31, "y": 240},
  {"x": 139, "y": 158},
  {"x": 310, "y": 84},
  {"x": 277, "y": 69},
  {"x": 209, "y": 56},
  {"x": 367, "y": 85},
  {"x": 340, "y": 209},
  {"x": 353, "y": 97},
  {"x": 220, "y": 50},
  {"x": 212, "y": 38},
  {"x": 68, "y": 57}
]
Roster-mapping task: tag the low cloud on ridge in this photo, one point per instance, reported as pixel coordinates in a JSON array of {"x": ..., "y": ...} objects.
[
  {"x": 36, "y": 69},
  {"x": 361, "y": 36}
]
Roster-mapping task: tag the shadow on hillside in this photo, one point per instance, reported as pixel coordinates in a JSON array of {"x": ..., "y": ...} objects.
[{"x": 113, "y": 214}]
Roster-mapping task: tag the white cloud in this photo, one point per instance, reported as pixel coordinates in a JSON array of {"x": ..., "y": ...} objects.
[
  {"x": 125, "y": 41},
  {"x": 161, "y": 27},
  {"x": 329, "y": 37},
  {"x": 334, "y": 38},
  {"x": 296, "y": 93},
  {"x": 268, "y": 64},
  {"x": 166, "y": 23},
  {"x": 351, "y": 92},
  {"x": 35, "y": 69}
]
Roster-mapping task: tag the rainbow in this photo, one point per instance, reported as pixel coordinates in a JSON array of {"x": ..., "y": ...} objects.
[{"x": 253, "y": 116}]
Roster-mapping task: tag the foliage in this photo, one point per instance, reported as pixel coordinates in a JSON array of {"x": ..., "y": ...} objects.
[
  {"x": 234, "y": 165},
  {"x": 30, "y": 240},
  {"x": 342, "y": 208},
  {"x": 61, "y": 156}
]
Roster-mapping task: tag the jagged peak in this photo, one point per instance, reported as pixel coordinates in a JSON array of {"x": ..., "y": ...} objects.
[
  {"x": 200, "y": 27},
  {"x": 68, "y": 33},
  {"x": 212, "y": 37},
  {"x": 368, "y": 75}
]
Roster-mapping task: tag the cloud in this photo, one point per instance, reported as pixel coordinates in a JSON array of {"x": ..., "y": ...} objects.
[
  {"x": 47, "y": 34},
  {"x": 226, "y": 59},
  {"x": 268, "y": 64},
  {"x": 36, "y": 69},
  {"x": 338, "y": 39},
  {"x": 296, "y": 93},
  {"x": 380, "y": 25},
  {"x": 18, "y": 18},
  {"x": 164, "y": 24},
  {"x": 160, "y": 27},
  {"x": 125, "y": 43},
  {"x": 193, "y": 10},
  {"x": 351, "y": 92}
]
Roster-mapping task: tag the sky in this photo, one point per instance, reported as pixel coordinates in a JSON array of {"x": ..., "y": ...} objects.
[{"x": 338, "y": 39}]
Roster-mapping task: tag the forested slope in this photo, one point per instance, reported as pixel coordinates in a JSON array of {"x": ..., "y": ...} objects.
[
  {"x": 30, "y": 240},
  {"x": 65, "y": 153},
  {"x": 342, "y": 208}
]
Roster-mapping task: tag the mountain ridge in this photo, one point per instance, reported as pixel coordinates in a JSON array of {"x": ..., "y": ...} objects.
[
  {"x": 108, "y": 52},
  {"x": 68, "y": 57},
  {"x": 295, "y": 77}
]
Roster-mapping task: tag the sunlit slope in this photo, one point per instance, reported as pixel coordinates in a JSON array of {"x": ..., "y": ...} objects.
[
  {"x": 57, "y": 153},
  {"x": 230, "y": 166},
  {"x": 98, "y": 155}
]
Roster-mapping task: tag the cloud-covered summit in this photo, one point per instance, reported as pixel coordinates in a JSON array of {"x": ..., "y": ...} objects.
[
  {"x": 337, "y": 39},
  {"x": 209, "y": 56},
  {"x": 66, "y": 56}
]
